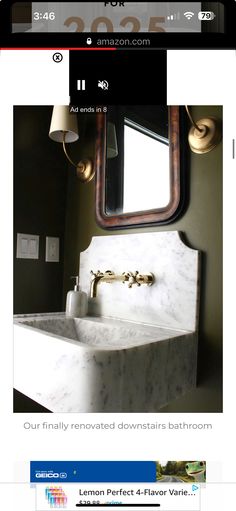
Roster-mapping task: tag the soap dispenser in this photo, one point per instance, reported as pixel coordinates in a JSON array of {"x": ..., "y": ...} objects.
[{"x": 76, "y": 301}]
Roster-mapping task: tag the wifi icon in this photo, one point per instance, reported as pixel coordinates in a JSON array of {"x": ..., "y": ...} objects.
[{"x": 188, "y": 15}]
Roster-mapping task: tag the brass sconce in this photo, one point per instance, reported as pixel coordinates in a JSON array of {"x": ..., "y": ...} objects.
[
  {"x": 64, "y": 129},
  {"x": 205, "y": 134}
]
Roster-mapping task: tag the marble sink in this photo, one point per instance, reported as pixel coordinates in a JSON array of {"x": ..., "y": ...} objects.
[
  {"x": 136, "y": 351},
  {"x": 100, "y": 364}
]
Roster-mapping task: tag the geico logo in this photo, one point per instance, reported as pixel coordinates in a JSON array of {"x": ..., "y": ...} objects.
[{"x": 47, "y": 475}]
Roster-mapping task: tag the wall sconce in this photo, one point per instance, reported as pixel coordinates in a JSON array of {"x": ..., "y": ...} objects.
[
  {"x": 204, "y": 134},
  {"x": 64, "y": 129}
]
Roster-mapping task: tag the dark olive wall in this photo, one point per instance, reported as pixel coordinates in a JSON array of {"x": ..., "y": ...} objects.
[
  {"x": 40, "y": 181},
  {"x": 202, "y": 227}
]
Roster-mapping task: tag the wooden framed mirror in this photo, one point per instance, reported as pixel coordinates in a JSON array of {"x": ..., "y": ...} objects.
[{"x": 139, "y": 179}]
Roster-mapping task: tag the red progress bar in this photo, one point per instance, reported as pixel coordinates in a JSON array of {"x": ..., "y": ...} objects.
[{"x": 81, "y": 49}]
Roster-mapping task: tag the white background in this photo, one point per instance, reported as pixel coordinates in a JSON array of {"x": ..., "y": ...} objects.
[{"x": 196, "y": 77}]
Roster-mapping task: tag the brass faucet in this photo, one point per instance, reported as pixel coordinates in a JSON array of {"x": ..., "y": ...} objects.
[{"x": 109, "y": 277}]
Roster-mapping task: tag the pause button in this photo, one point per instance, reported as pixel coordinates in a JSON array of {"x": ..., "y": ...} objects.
[{"x": 80, "y": 84}]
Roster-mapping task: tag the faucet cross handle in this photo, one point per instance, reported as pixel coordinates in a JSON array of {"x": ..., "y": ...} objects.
[
  {"x": 132, "y": 279},
  {"x": 139, "y": 279},
  {"x": 96, "y": 274}
]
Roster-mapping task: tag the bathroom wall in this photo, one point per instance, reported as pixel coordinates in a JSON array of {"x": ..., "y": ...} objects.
[
  {"x": 202, "y": 226},
  {"x": 40, "y": 181}
]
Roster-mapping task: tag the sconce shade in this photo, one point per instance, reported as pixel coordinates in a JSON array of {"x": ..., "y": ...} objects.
[
  {"x": 112, "y": 147},
  {"x": 63, "y": 124}
]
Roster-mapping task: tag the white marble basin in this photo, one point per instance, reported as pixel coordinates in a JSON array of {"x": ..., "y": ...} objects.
[
  {"x": 100, "y": 332},
  {"x": 101, "y": 365}
]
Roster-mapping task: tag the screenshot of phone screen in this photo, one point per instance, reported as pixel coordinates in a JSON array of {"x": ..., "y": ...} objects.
[{"x": 117, "y": 129}]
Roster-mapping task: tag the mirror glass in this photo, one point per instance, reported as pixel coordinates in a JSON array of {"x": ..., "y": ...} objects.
[
  {"x": 145, "y": 149},
  {"x": 138, "y": 178},
  {"x": 137, "y": 159}
]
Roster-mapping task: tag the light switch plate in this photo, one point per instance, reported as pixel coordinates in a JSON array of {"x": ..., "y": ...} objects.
[
  {"x": 27, "y": 246},
  {"x": 52, "y": 250}
]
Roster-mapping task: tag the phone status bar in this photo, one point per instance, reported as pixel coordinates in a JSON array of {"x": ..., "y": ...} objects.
[{"x": 118, "y": 17}]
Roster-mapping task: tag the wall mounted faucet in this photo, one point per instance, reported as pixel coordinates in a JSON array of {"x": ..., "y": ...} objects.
[{"x": 109, "y": 277}]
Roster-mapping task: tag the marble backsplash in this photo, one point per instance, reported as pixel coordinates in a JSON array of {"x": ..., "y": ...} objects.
[{"x": 172, "y": 301}]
